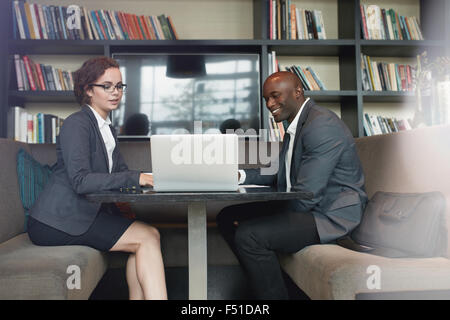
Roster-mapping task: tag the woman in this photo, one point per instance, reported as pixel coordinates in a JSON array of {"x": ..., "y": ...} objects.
[{"x": 89, "y": 161}]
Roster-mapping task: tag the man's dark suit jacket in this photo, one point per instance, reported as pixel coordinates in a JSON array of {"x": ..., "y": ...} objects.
[
  {"x": 82, "y": 167},
  {"x": 324, "y": 162}
]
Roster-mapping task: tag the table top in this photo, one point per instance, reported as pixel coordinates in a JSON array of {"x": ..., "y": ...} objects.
[{"x": 242, "y": 194}]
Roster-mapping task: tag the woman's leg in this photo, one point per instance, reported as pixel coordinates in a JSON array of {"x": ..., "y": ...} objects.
[
  {"x": 143, "y": 240},
  {"x": 134, "y": 287}
]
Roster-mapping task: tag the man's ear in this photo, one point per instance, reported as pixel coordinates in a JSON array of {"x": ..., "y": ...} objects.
[{"x": 298, "y": 92}]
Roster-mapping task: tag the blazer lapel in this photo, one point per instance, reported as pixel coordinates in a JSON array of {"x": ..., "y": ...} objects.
[
  {"x": 114, "y": 155},
  {"x": 297, "y": 149},
  {"x": 97, "y": 130},
  {"x": 281, "y": 176}
]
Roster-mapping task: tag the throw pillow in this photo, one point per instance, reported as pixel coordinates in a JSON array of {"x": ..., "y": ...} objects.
[{"x": 33, "y": 177}]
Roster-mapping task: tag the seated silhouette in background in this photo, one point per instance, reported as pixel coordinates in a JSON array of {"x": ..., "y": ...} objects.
[
  {"x": 229, "y": 124},
  {"x": 137, "y": 125}
]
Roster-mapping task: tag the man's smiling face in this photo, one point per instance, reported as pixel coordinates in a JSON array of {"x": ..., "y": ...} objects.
[{"x": 283, "y": 97}]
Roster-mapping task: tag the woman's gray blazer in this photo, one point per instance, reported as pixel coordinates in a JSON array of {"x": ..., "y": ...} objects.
[{"x": 82, "y": 167}]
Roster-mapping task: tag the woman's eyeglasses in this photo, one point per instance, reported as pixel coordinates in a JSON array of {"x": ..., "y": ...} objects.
[{"x": 109, "y": 88}]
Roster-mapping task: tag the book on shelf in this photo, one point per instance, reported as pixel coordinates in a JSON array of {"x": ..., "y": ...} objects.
[
  {"x": 387, "y": 24},
  {"x": 273, "y": 62},
  {"x": 381, "y": 76},
  {"x": 288, "y": 22},
  {"x": 54, "y": 22},
  {"x": 32, "y": 128},
  {"x": 376, "y": 124},
  {"x": 276, "y": 130},
  {"x": 38, "y": 77},
  {"x": 309, "y": 79}
]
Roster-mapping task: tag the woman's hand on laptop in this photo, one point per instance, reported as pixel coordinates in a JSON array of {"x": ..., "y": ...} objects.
[{"x": 146, "y": 179}]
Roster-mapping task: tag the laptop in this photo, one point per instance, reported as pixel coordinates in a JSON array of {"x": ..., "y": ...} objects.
[{"x": 195, "y": 162}]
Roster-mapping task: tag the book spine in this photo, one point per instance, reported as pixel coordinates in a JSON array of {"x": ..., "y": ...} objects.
[
  {"x": 129, "y": 27},
  {"x": 115, "y": 24},
  {"x": 153, "y": 23},
  {"x": 40, "y": 20},
  {"x": 138, "y": 27},
  {"x": 311, "y": 79},
  {"x": 42, "y": 70},
  {"x": 95, "y": 27},
  {"x": 144, "y": 28},
  {"x": 107, "y": 23},
  {"x": 35, "y": 19},
  {"x": 293, "y": 21},
  {"x": 101, "y": 27},
  {"x": 54, "y": 22},
  {"x": 314, "y": 25},
  {"x": 29, "y": 72},
  {"x": 19, "y": 20},
  {"x": 159, "y": 27},
  {"x": 29, "y": 128},
  {"x": 40, "y": 77},
  {"x": 133, "y": 30},
  {"x": 50, "y": 80},
  {"x": 316, "y": 78},
  {"x": 164, "y": 27},
  {"x": 63, "y": 22},
  {"x": 385, "y": 26},
  {"x": 87, "y": 24},
  {"x": 48, "y": 22},
  {"x": 19, "y": 78},
  {"x": 123, "y": 25},
  {"x": 29, "y": 20},
  {"x": 56, "y": 78}
]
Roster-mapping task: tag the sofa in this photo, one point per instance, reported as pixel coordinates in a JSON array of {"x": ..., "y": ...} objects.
[
  {"x": 410, "y": 161},
  {"x": 407, "y": 161}
]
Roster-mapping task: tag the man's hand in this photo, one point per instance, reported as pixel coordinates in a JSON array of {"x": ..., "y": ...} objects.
[{"x": 146, "y": 179}]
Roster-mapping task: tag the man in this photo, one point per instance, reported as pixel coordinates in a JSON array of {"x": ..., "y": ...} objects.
[{"x": 319, "y": 156}]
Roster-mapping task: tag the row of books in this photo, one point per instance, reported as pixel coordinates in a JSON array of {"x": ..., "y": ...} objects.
[
  {"x": 38, "y": 128},
  {"x": 276, "y": 130},
  {"x": 374, "y": 124},
  {"x": 383, "y": 24},
  {"x": 308, "y": 77},
  {"x": 38, "y": 21},
  {"x": 381, "y": 76},
  {"x": 287, "y": 22},
  {"x": 38, "y": 77}
]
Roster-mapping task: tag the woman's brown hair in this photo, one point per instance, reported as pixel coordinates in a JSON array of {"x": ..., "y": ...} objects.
[{"x": 89, "y": 72}]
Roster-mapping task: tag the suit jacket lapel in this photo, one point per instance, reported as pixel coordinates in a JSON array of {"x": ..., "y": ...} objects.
[
  {"x": 114, "y": 155},
  {"x": 297, "y": 149},
  {"x": 97, "y": 130},
  {"x": 281, "y": 177}
]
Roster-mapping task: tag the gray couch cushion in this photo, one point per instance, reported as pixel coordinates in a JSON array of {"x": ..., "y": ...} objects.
[
  {"x": 36, "y": 272},
  {"x": 11, "y": 209},
  {"x": 329, "y": 271}
]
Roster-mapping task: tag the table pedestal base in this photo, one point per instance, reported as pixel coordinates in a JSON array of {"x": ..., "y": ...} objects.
[{"x": 198, "y": 264}]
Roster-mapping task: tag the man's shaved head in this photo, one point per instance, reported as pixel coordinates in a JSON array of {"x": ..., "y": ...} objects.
[{"x": 285, "y": 76}]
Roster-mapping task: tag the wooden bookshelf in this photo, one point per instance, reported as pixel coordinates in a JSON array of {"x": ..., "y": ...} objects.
[{"x": 346, "y": 47}]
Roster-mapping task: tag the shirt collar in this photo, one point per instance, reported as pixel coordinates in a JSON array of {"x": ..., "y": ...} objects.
[
  {"x": 293, "y": 125},
  {"x": 101, "y": 122}
]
